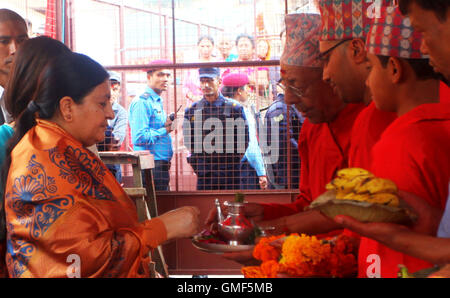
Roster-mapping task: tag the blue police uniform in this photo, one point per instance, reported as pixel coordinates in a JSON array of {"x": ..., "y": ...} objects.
[
  {"x": 216, "y": 148},
  {"x": 277, "y": 171},
  {"x": 147, "y": 119}
]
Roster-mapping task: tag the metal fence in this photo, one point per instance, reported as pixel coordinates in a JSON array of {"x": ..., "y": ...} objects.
[{"x": 128, "y": 36}]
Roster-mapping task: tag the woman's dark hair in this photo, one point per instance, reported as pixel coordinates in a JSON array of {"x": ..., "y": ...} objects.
[
  {"x": 30, "y": 60},
  {"x": 439, "y": 7},
  {"x": 421, "y": 67},
  {"x": 69, "y": 74},
  {"x": 229, "y": 91},
  {"x": 249, "y": 37},
  {"x": 208, "y": 37}
]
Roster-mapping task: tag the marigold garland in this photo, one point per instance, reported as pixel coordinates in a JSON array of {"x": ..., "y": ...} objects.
[
  {"x": 303, "y": 256},
  {"x": 263, "y": 251}
]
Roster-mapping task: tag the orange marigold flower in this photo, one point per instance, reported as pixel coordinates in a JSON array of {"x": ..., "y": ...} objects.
[
  {"x": 298, "y": 249},
  {"x": 304, "y": 256},
  {"x": 263, "y": 251},
  {"x": 252, "y": 272},
  {"x": 270, "y": 268}
]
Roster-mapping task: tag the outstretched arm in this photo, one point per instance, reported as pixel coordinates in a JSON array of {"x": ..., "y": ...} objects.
[{"x": 418, "y": 240}]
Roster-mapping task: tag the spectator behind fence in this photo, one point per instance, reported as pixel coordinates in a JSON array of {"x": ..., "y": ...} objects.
[
  {"x": 191, "y": 85},
  {"x": 78, "y": 209},
  {"x": 245, "y": 45},
  {"x": 215, "y": 150},
  {"x": 263, "y": 49},
  {"x": 253, "y": 173},
  {"x": 13, "y": 32},
  {"x": 150, "y": 126},
  {"x": 264, "y": 53},
  {"x": 225, "y": 47},
  {"x": 117, "y": 128}
]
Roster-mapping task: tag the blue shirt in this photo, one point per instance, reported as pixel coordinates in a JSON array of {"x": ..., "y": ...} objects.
[
  {"x": 119, "y": 123},
  {"x": 253, "y": 153},
  {"x": 231, "y": 57},
  {"x": 147, "y": 119},
  {"x": 6, "y": 133}
]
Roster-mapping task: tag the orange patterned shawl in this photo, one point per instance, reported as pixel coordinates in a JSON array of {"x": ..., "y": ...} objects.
[{"x": 66, "y": 213}]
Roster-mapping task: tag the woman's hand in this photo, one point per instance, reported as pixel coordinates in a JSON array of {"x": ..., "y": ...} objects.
[
  {"x": 182, "y": 222},
  {"x": 263, "y": 182}
]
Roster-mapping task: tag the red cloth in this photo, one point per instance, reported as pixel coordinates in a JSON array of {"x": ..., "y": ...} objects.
[
  {"x": 444, "y": 93},
  {"x": 414, "y": 153},
  {"x": 50, "y": 19},
  {"x": 323, "y": 150},
  {"x": 367, "y": 130}
]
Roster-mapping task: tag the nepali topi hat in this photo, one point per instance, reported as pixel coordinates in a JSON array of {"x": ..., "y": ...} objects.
[
  {"x": 348, "y": 19},
  {"x": 302, "y": 40},
  {"x": 392, "y": 35}
]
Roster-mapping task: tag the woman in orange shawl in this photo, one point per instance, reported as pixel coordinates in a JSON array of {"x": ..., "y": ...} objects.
[
  {"x": 29, "y": 61},
  {"x": 66, "y": 215}
]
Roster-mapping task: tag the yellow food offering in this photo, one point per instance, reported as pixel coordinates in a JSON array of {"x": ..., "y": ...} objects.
[
  {"x": 360, "y": 185},
  {"x": 377, "y": 185},
  {"x": 388, "y": 199},
  {"x": 347, "y": 185},
  {"x": 350, "y": 173}
]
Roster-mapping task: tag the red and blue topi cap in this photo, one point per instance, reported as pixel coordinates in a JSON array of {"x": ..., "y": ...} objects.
[
  {"x": 348, "y": 19},
  {"x": 302, "y": 40},
  {"x": 392, "y": 35}
]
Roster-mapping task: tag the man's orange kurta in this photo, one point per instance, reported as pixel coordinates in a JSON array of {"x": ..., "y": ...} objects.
[
  {"x": 367, "y": 130},
  {"x": 66, "y": 212},
  {"x": 323, "y": 150},
  {"x": 414, "y": 153}
]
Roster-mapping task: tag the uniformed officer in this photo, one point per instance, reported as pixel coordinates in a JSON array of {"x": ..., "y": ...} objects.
[
  {"x": 253, "y": 172},
  {"x": 117, "y": 127},
  {"x": 216, "y": 134},
  {"x": 276, "y": 121},
  {"x": 150, "y": 126}
]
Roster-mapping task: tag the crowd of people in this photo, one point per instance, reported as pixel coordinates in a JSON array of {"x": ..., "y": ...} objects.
[
  {"x": 271, "y": 155},
  {"x": 374, "y": 94},
  {"x": 243, "y": 48}
]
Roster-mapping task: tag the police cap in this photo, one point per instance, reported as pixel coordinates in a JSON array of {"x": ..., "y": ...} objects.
[{"x": 210, "y": 72}]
